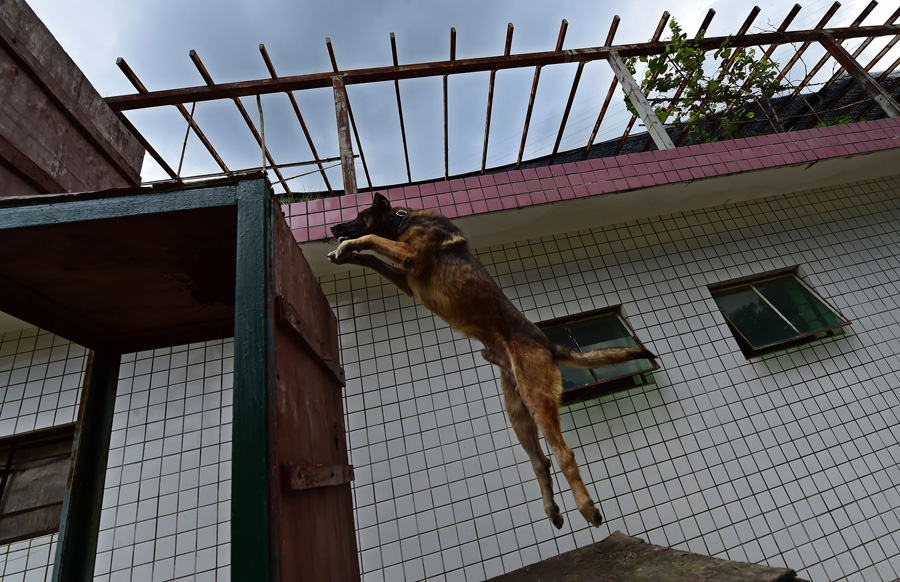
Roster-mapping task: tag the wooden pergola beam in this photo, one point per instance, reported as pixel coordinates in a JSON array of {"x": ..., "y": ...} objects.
[
  {"x": 632, "y": 89},
  {"x": 480, "y": 64},
  {"x": 861, "y": 76}
]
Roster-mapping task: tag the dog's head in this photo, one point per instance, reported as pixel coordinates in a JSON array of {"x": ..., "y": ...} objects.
[{"x": 376, "y": 219}]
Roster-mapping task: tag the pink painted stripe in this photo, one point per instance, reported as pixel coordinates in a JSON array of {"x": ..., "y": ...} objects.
[{"x": 532, "y": 186}]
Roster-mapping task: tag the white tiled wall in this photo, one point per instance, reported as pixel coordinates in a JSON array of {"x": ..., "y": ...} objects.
[
  {"x": 790, "y": 459},
  {"x": 166, "y": 506}
]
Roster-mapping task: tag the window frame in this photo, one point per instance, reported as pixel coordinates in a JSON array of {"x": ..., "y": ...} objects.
[
  {"x": 610, "y": 385},
  {"x": 748, "y": 349},
  {"x": 9, "y": 446}
]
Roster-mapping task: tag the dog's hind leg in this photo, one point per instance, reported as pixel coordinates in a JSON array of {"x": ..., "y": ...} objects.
[
  {"x": 540, "y": 386},
  {"x": 527, "y": 433}
]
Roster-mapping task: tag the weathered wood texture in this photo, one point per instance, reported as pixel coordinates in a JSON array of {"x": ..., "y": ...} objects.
[
  {"x": 620, "y": 558},
  {"x": 56, "y": 133},
  {"x": 317, "y": 540},
  {"x": 135, "y": 282}
]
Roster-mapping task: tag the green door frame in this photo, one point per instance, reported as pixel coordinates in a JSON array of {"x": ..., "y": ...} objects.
[{"x": 253, "y": 476}]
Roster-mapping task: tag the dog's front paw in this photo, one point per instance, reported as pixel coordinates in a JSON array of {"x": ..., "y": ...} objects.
[
  {"x": 342, "y": 254},
  {"x": 339, "y": 258}
]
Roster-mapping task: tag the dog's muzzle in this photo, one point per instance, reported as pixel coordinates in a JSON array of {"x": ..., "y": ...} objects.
[{"x": 341, "y": 232}]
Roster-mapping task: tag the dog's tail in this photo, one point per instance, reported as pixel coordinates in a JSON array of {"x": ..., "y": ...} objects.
[{"x": 596, "y": 358}]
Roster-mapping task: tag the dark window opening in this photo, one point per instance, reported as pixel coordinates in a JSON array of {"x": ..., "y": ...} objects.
[
  {"x": 775, "y": 312},
  {"x": 592, "y": 331},
  {"x": 34, "y": 468}
]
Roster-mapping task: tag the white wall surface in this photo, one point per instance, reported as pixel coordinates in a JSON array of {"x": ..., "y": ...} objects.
[{"x": 789, "y": 459}]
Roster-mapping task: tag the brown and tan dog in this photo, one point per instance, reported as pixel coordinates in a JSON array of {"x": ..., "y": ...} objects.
[{"x": 433, "y": 263}]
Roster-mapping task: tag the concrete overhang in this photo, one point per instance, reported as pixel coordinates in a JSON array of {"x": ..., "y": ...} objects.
[{"x": 552, "y": 218}]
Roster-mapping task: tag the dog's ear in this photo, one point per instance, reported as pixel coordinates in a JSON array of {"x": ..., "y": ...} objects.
[{"x": 380, "y": 201}]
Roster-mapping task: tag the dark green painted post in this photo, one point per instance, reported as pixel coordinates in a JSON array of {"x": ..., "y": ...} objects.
[
  {"x": 253, "y": 386},
  {"x": 80, "y": 520}
]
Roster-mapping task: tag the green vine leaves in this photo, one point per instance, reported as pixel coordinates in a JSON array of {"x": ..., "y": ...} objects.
[{"x": 690, "y": 99}]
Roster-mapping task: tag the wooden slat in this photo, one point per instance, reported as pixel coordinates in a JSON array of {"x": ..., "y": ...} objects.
[
  {"x": 362, "y": 156},
  {"x": 342, "y": 111},
  {"x": 656, "y": 129},
  {"x": 612, "y": 88},
  {"x": 864, "y": 45},
  {"x": 68, "y": 104},
  {"x": 660, "y": 27},
  {"x": 23, "y": 166}
]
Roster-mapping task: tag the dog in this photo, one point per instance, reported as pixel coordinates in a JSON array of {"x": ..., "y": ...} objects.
[{"x": 433, "y": 263}]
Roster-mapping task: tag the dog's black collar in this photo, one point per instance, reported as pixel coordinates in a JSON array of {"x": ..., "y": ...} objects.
[{"x": 398, "y": 220}]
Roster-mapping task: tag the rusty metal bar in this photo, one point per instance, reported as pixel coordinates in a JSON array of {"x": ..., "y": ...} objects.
[
  {"x": 342, "y": 112},
  {"x": 882, "y": 77},
  {"x": 868, "y": 67},
  {"x": 146, "y": 144},
  {"x": 296, "y": 107},
  {"x": 534, "y": 85},
  {"x": 748, "y": 22},
  {"x": 660, "y": 27},
  {"x": 142, "y": 90},
  {"x": 782, "y": 28},
  {"x": 811, "y": 73},
  {"x": 861, "y": 76},
  {"x": 565, "y": 117},
  {"x": 400, "y": 108},
  {"x": 609, "y": 94},
  {"x": 612, "y": 88},
  {"x": 437, "y": 69},
  {"x": 207, "y": 78},
  {"x": 864, "y": 45},
  {"x": 798, "y": 54},
  {"x": 562, "y": 126},
  {"x": 446, "y": 125},
  {"x": 728, "y": 64},
  {"x": 487, "y": 122},
  {"x": 258, "y": 169},
  {"x": 362, "y": 156}
]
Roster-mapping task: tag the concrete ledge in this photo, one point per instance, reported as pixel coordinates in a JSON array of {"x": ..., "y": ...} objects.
[{"x": 621, "y": 558}]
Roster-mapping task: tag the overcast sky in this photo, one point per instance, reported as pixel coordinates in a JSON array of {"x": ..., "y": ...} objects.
[{"x": 154, "y": 37}]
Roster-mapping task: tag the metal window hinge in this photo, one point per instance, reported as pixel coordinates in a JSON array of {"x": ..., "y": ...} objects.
[{"x": 298, "y": 477}]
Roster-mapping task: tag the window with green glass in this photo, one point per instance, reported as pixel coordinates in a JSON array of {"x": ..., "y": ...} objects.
[
  {"x": 774, "y": 312},
  {"x": 593, "y": 331}
]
